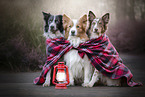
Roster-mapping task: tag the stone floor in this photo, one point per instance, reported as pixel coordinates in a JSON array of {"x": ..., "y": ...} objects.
[{"x": 21, "y": 84}]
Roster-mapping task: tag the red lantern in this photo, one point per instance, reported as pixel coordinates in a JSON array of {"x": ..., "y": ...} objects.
[{"x": 60, "y": 76}]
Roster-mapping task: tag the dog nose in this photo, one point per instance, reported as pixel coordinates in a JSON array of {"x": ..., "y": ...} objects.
[
  {"x": 73, "y": 32},
  {"x": 52, "y": 27},
  {"x": 96, "y": 30}
]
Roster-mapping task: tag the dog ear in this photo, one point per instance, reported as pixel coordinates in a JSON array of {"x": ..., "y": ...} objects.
[
  {"x": 82, "y": 27},
  {"x": 46, "y": 15},
  {"x": 60, "y": 17},
  {"x": 91, "y": 16},
  {"x": 61, "y": 24},
  {"x": 83, "y": 22},
  {"x": 83, "y": 19},
  {"x": 105, "y": 18},
  {"x": 65, "y": 19}
]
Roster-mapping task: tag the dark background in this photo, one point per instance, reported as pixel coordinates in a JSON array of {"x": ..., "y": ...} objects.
[{"x": 22, "y": 45}]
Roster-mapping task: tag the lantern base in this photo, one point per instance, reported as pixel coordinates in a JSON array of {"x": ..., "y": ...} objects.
[{"x": 60, "y": 86}]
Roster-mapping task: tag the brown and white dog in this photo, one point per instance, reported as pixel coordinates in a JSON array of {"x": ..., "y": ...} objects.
[
  {"x": 98, "y": 27},
  {"x": 75, "y": 32}
]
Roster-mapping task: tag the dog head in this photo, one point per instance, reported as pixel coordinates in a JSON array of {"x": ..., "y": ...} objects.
[
  {"x": 75, "y": 28},
  {"x": 98, "y": 26},
  {"x": 53, "y": 25}
]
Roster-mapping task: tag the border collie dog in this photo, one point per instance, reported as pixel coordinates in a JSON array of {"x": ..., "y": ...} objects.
[
  {"x": 53, "y": 28},
  {"x": 98, "y": 27},
  {"x": 75, "y": 32}
]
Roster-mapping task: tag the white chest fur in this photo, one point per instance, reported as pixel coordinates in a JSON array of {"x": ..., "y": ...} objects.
[
  {"x": 79, "y": 68},
  {"x": 75, "y": 41},
  {"x": 75, "y": 63}
]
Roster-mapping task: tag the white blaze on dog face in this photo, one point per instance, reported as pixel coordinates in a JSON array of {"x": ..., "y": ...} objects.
[
  {"x": 95, "y": 25},
  {"x": 97, "y": 28},
  {"x": 73, "y": 29},
  {"x": 52, "y": 24}
]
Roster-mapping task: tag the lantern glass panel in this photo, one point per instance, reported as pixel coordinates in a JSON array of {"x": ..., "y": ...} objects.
[{"x": 61, "y": 76}]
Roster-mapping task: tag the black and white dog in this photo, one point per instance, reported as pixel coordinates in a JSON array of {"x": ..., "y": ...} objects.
[{"x": 53, "y": 28}]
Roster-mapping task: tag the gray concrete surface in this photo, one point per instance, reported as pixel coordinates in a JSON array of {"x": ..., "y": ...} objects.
[{"x": 21, "y": 84}]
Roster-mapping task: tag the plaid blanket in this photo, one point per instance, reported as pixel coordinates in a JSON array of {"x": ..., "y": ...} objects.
[
  {"x": 56, "y": 49},
  {"x": 101, "y": 53}
]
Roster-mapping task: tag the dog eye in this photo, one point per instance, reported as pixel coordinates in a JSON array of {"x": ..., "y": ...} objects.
[
  {"x": 70, "y": 26},
  {"x": 94, "y": 23},
  {"x": 56, "y": 21},
  {"x": 50, "y": 20},
  {"x": 100, "y": 22},
  {"x": 78, "y": 26}
]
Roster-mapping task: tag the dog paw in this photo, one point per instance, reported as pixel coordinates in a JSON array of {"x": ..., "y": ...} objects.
[
  {"x": 87, "y": 85},
  {"x": 46, "y": 84}
]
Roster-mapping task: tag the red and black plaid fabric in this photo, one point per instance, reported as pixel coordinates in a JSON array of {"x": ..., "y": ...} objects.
[
  {"x": 105, "y": 59},
  {"x": 56, "y": 49},
  {"x": 101, "y": 53}
]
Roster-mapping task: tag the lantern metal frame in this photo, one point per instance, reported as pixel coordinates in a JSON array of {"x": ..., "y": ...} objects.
[{"x": 60, "y": 67}]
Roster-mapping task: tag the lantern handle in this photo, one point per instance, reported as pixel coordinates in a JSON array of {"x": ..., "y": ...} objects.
[
  {"x": 67, "y": 75},
  {"x": 54, "y": 75}
]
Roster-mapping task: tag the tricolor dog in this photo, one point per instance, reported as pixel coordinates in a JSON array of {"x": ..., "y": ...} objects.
[
  {"x": 79, "y": 69},
  {"x": 53, "y": 25},
  {"x": 98, "y": 27},
  {"x": 53, "y": 28}
]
